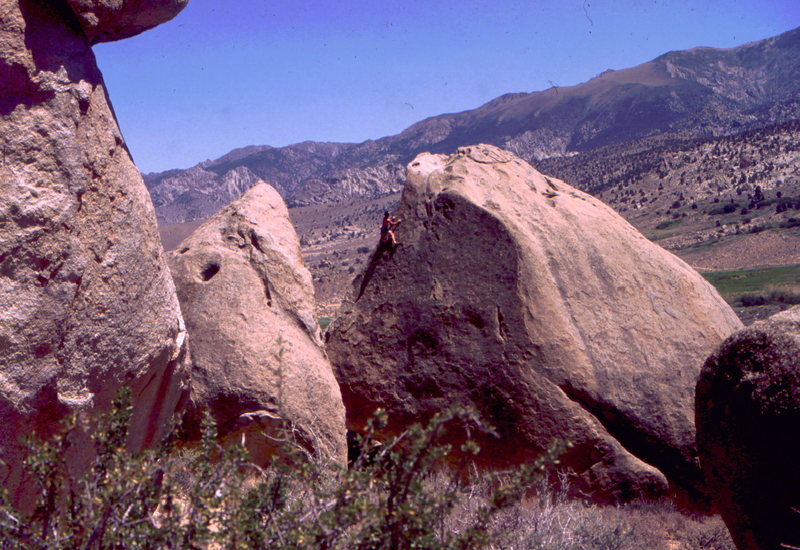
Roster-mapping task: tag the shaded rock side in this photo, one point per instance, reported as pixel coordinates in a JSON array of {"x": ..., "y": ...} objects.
[
  {"x": 540, "y": 306},
  {"x": 86, "y": 300},
  {"x": 109, "y": 20},
  {"x": 258, "y": 362},
  {"x": 748, "y": 418}
]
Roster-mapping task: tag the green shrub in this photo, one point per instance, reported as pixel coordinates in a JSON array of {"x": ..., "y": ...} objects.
[
  {"x": 776, "y": 296},
  {"x": 394, "y": 496},
  {"x": 669, "y": 223},
  {"x": 791, "y": 222},
  {"x": 724, "y": 209}
]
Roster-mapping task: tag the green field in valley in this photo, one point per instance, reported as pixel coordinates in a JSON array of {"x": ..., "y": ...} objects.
[{"x": 779, "y": 284}]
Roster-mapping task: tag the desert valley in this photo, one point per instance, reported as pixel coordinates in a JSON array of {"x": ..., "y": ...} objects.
[{"x": 678, "y": 146}]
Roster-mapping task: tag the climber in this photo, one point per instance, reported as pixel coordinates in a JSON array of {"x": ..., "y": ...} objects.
[{"x": 387, "y": 235}]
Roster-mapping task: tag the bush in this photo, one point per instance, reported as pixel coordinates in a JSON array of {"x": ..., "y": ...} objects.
[
  {"x": 727, "y": 208},
  {"x": 760, "y": 228},
  {"x": 775, "y": 296},
  {"x": 791, "y": 222},
  {"x": 750, "y": 300},
  {"x": 666, "y": 224},
  {"x": 394, "y": 496}
]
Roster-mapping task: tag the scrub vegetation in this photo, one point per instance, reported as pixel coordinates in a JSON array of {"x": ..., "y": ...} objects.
[{"x": 394, "y": 495}]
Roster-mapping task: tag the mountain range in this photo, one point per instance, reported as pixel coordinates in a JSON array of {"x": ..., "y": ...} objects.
[{"x": 697, "y": 94}]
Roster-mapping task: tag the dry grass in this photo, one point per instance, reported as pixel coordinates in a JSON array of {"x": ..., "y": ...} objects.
[
  {"x": 553, "y": 521},
  {"x": 549, "y": 524},
  {"x": 743, "y": 251}
]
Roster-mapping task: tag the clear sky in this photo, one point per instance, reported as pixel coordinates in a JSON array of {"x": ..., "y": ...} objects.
[{"x": 225, "y": 74}]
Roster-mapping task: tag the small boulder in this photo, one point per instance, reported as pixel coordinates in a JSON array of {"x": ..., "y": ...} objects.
[
  {"x": 542, "y": 308},
  {"x": 258, "y": 362},
  {"x": 748, "y": 418}
]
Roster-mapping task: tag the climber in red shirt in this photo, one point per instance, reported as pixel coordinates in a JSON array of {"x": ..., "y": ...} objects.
[{"x": 387, "y": 235}]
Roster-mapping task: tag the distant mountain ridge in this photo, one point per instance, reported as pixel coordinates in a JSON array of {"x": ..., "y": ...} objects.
[{"x": 697, "y": 93}]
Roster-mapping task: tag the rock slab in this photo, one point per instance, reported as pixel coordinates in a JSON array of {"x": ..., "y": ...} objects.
[
  {"x": 258, "y": 362},
  {"x": 87, "y": 303},
  {"x": 109, "y": 20},
  {"x": 748, "y": 418},
  {"x": 541, "y": 307}
]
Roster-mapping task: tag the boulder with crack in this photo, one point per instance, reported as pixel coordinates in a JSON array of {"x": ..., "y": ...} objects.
[{"x": 543, "y": 309}]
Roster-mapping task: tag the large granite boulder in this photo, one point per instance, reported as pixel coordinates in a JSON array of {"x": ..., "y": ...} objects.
[
  {"x": 258, "y": 362},
  {"x": 86, "y": 299},
  {"x": 542, "y": 308},
  {"x": 748, "y": 418},
  {"x": 109, "y": 20}
]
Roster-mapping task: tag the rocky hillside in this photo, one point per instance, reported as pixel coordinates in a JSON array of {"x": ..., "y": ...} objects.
[
  {"x": 696, "y": 197},
  {"x": 700, "y": 93},
  {"x": 720, "y": 203},
  {"x": 685, "y": 193}
]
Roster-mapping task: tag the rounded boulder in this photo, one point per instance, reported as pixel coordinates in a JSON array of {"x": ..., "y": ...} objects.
[{"x": 748, "y": 418}]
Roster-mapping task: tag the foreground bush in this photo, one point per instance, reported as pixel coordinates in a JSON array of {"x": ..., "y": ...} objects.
[{"x": 394, "y": 496}]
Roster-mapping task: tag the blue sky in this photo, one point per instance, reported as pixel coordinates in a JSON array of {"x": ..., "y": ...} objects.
[{"x": 223, "y": 75}]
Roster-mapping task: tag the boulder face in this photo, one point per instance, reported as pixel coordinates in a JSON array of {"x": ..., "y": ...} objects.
[
  {"x": 86, "y": 299},
  {"x": 109, "y": 20},
  {"x": 258, "y": 362},
  {"x": 748, "y": 418},
  {"x": 542, "y": 308}
]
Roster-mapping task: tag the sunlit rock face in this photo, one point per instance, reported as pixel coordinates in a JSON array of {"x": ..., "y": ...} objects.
[
  {"x": 87, "y": 303},
  {"x": 539, "y": 306},
  {"x": 258, "y": 365}
]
